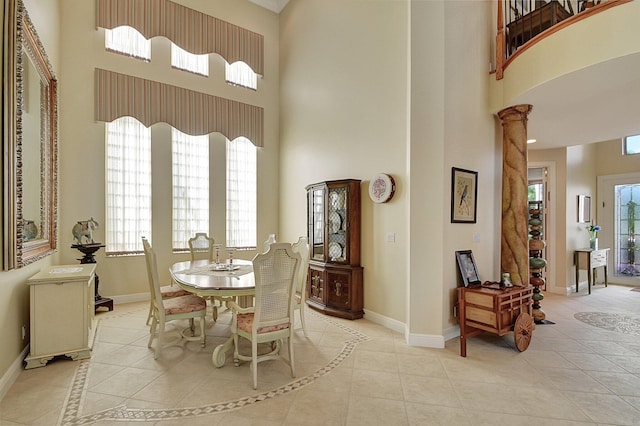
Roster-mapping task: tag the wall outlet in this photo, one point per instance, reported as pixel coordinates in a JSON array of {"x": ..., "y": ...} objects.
[
  {"x": 391, "y": 237},
  {"x": 24, "y": 331}
]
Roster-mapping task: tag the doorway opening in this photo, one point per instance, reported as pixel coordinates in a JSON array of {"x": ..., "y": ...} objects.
[
  {"x": 618, "y": 210},
  {"x": 537, "y": 190}
]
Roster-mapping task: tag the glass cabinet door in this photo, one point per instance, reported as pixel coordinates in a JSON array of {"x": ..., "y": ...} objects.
[
  {"x": 316, "y": 223},
  {"x": 337, "y": 216}
]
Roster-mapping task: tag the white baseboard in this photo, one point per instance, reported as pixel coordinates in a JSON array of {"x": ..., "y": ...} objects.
[
  {"x": 384, "y": 321},
  {"x": 130, "y": 298},
  {"x": 7, "y": 380},
  {"x": 425, "y": 340}
]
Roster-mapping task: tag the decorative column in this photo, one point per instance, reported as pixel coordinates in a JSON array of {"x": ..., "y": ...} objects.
[{"x": 514, "y": 253}]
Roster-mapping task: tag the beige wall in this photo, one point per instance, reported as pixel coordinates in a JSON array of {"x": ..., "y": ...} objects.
[
  {"x": 14, "y": 293},
  {"x": 344, "y": 115},
  {"x": 581, "y": 180},
  {"x": 376, "y": 106}
]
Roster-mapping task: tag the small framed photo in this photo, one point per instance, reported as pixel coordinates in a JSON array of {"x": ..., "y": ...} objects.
[
  {"x": 467, "y": 267},
  {"x": 464, "y": 195}
]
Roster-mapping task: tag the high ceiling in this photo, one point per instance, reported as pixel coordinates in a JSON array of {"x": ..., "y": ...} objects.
[
  {"x": 273, "y": 5},
  {"x": 595, "y": 104}
]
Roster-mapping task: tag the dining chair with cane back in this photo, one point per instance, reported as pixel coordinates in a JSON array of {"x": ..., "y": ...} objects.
[
  {"x": 173, "y": 309},
  {"x": 270, "y": 320},
  {"x": 167, "y": 291},
  {"x": 200, "y": 244},
  {"x": 301, "y": 247}
]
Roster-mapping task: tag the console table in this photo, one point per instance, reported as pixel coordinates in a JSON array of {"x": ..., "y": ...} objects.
[
  {"x": 590, "y": 259},
  {"x": 61, "y": 313}
]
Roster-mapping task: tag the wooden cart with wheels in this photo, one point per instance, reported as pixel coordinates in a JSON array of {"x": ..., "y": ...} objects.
[{"x": 497, "y": 311}]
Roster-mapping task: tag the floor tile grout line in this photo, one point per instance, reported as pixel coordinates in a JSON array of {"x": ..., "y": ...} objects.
[{"x": 71, "y": 408}]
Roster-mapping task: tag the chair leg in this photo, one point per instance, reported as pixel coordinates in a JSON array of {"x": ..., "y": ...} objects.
[
  {"x": 160, "y": 340},
  {"x": 304, "y": 324},
  {"x": 291, "y": 365},
  {"x": 150, "y": 312},
  {"x": 203, "y": 336},
  {"x": 236, "y": 357},
  {"x": 254, "y": 362},
  {"x": 152, "y": 331}
]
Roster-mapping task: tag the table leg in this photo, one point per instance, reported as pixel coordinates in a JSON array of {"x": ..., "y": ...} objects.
[
  {"x": 220, "y": 352},
  {"x": 589, "y": 272},
  {"x": 575, "y": 262},
  {"x": 463, "y": 328},
  {"x": 605, "y": 276}
]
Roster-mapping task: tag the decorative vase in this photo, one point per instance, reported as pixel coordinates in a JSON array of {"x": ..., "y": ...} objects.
[{"x": 593, "y": 244}]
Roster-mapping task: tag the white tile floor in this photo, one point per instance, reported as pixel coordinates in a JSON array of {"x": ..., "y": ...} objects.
[{"x": 573, "y": 373}]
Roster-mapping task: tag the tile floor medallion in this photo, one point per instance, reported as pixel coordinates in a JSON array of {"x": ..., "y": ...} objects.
[
  {"x": 72, "y": 413},
  {"x": 612, "y": 322}
]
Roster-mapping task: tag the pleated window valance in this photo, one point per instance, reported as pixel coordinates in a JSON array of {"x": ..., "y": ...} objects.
[
  {"x": 193, "y": 31},
  {"x": 194, "y": 113}
]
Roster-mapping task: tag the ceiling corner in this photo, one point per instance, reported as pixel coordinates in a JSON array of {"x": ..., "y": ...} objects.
[{"x": 273, "y": 5}]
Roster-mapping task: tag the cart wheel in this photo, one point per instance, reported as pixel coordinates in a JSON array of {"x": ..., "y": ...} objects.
[{"x": 522, "y": 331}]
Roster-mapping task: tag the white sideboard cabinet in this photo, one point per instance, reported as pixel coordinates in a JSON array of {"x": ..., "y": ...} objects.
[{"x": 62, "y": 313}]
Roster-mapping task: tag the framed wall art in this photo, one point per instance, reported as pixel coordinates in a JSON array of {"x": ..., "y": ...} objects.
[
  {"x": 467, "y": 267},
  {"x": 584, "y": 209},
  {"x": 464, "y": 195}
]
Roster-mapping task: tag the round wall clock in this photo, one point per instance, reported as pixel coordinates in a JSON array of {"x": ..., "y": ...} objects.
[{"x": 381, "y": 188}]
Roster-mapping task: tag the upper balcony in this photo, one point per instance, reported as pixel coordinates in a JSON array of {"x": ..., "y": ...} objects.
[{"x": 577, "y": 62}]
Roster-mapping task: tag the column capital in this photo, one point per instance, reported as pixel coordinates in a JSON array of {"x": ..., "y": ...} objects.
[{"x": 515, "y": 113}]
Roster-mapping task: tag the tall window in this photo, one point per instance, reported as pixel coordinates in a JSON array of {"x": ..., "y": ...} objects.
[
  {"x": 181, "y": 59},
  {"x": 241, "y": 74},
  {"x": 190, "y": 158},
  {"x": 128, "y": 185},
  {"x": 128, "y": 41},
  {"x": 241, "y": 193}
]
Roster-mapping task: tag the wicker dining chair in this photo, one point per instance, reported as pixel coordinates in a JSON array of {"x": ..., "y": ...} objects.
[
  {"x": 173, "y": 309},
  {"x": 270, "y": 320}
]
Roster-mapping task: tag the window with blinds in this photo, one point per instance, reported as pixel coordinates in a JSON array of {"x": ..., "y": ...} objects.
[
  {"x": 241, "y": 193},
  {"x": 128, "y": 180},
  {"x": 190, "y": 169},
  {"x": 128, "y": 41},
  {"x": 187, "y": 61},
  {"x": 241, "y": 74}
]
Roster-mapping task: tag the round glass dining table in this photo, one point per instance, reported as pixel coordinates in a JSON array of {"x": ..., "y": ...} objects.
[{"x": 208, "y": 279}]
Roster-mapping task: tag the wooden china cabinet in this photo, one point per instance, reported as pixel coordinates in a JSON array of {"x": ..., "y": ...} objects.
[{"x": 334, "y": 283}]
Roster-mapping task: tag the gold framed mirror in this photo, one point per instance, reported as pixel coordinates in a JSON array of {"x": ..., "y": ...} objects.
[{"x": 30, "y": 128}]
